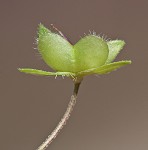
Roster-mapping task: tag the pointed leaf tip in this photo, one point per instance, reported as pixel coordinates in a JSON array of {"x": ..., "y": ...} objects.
[
  {"x": 42, "y": 30},
  {"x": 36, "y": 72}
]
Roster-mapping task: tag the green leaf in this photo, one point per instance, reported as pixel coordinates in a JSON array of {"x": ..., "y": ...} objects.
[
  {"x": 55, "y": 50},
  {"x": 90, "y": 52},
  {"x": 105, "y": 68},
  {"x": 45, "y": 73},
  {"x": 114, "y": 48}
]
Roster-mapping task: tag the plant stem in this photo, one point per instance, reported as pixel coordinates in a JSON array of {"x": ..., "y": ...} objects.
[{"x": 64, "y": 119}]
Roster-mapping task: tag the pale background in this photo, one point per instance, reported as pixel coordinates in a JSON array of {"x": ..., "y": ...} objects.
[{"x": 111, "y": 111}]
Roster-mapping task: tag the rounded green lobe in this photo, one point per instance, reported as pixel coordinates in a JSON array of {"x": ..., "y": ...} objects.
[
  {"x": 90, "y": 52},
  {"x": 55, "y": 50}
]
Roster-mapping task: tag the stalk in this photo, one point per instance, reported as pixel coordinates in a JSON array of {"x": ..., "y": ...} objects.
[{"x": 65, "y": 117}]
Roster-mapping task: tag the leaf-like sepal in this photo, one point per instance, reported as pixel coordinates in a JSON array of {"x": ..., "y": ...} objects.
[
  {"x": 45, "y": 73},
  {"x": 55, "y": 50},
  {"x": 90, "y": 52},
  {"x": 105, "y": 68},
  {"x": 111, "y": 67},
  {"x": 115, "y": 47}
]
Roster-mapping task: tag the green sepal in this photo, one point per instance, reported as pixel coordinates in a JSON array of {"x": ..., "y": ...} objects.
[
  {"x": 45, "y": 73},
  {"x": 115, "y": 47},
  {"x": 105, "y": 68},
  {"x": 111, "y": 67},
  {"x": 90, "y": 52},
  {"x": 55, "y": 50}
]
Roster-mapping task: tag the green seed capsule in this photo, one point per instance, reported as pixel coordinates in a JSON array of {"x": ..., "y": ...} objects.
[{"x": 90, "y": 55}]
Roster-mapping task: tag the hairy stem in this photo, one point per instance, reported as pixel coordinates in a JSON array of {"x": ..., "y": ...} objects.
[{"x": 64, "y": 119}]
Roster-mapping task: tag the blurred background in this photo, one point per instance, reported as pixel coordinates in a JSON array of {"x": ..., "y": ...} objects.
[{"x": 111, "y": 111}]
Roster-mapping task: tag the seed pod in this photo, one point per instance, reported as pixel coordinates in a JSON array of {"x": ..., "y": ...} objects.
[{"x": 90, "y": 55}]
